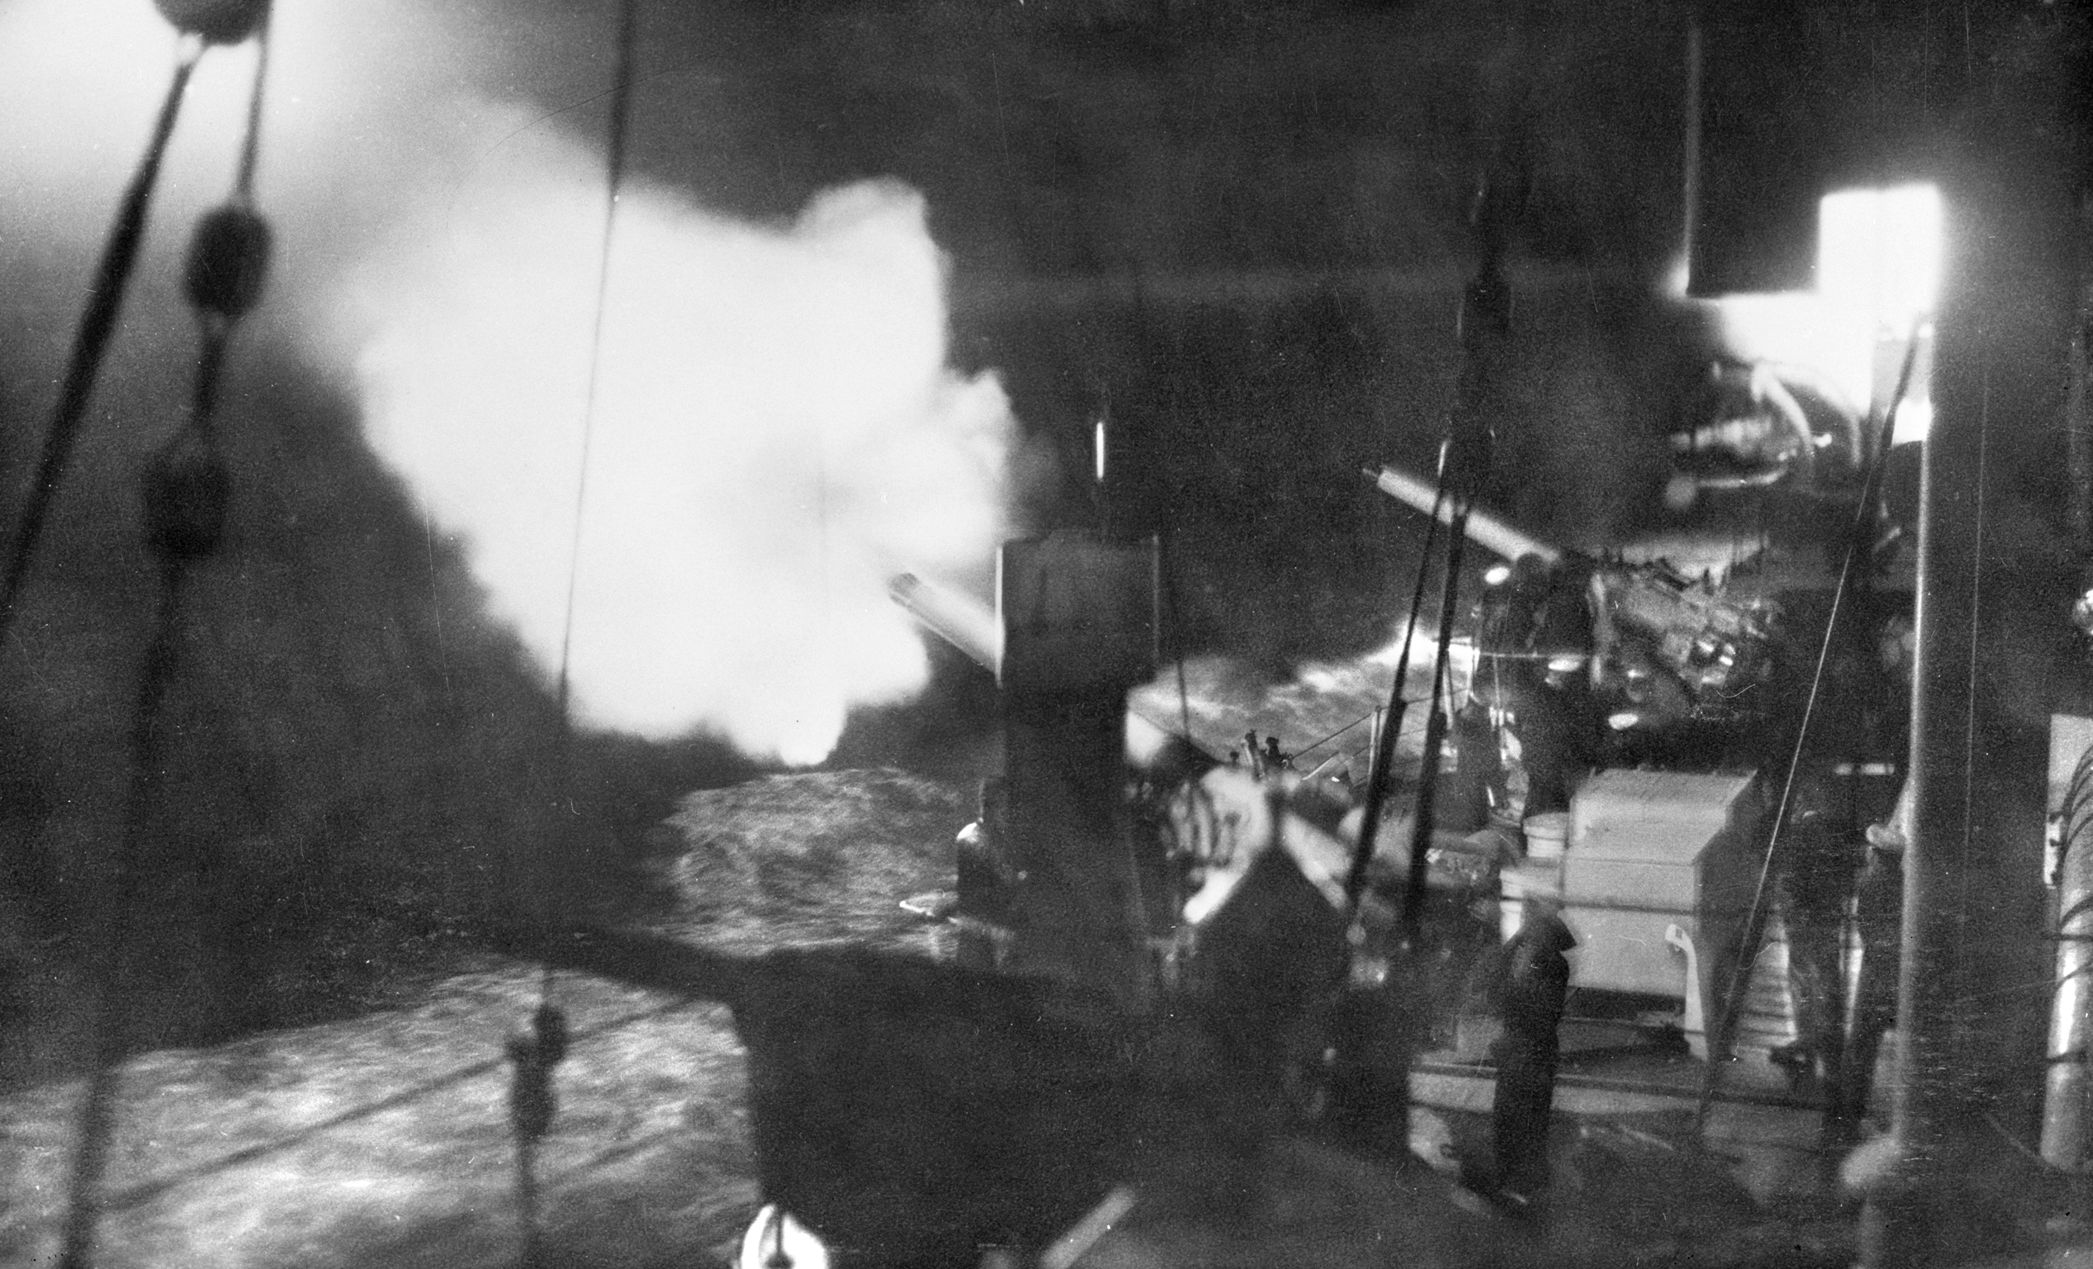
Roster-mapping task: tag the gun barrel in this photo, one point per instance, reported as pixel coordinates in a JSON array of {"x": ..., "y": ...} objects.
[
  {"x": 961, "y": 620},
  {"x": 1482, "y": 528}
]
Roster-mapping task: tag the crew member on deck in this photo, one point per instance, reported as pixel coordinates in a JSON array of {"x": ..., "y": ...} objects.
[
  {"x": 1879, "y": 911},
  {"x": 987, "y": 876},
  {"x": 1531, "y": 995},
  {"x": 1813, "y": 870},
  {"x": 1537, "y": 617}
]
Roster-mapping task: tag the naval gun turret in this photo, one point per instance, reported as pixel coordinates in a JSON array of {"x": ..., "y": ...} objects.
[
  {"x": 1711, "y": 728},
  {"x": 1659, "y": 647}
]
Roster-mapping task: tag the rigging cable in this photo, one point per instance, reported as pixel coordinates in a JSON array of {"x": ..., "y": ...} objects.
[
  {"x": 534, "y": 1053},
  {"x": 186, "y": 489},
  {"x": 1755, "y": 919},
  {"x": 1377, "y": 770},
  {"x": 1485, "y": 321},
  {"x": 1329, "y": 736},
  {"x": 1972, "y": 669},
  {"x": 1174, "y": 891},
  {"x": 97, "y": 324},
  {"x": 614, "y": 177},
  {"x": 1175, "y": 621},
  {"x": 1483, "y": 325}
]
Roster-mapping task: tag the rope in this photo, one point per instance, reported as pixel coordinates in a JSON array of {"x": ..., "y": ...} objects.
[
  {"x": 1483, "y": 316},
  {"x": 1173, "y": 892},
  {"x": 251, "y": 147},
  {"x": 109, "y": 1010},
  {"x": 532, "y": 1104},
  {"x": 1384, "y": 744},
  {"x": 620, "y": 111},
  {"x": 186, "y": 487},
  {"x": 1327, "y": 737},
  {"x": 1755, "y": 920},
  {"x": 91, "y": 341},
  {"x": 1434, "y": 733},
  {"x": 533, "y": 1055},
  {"x": 1972, "y": 671},
  {"x": 614, "y": 176},
  {"x": 1177, "y": 649}
]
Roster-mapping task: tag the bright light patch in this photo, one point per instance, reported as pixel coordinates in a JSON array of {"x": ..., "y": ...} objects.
[
  {"x": 1678, "y": 276},
  {"x": 1914, "y": 421},
  {"x": 1145, "y": 741},
  {"x": 776, "y": 435},
  {"x": 1321, "y": 678},
  {"x": 1879, "y": 259},
  {"x": 1879, "y": 253}
]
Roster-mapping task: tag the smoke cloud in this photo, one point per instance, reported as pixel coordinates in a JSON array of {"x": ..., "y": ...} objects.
[
  {"x": 775, "y": 434},
  {"x": 775, "y": 429}
]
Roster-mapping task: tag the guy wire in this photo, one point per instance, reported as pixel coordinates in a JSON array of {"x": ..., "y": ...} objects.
[
  {"x": 251, "y": 147},
  {"x": 614, "y": 176},
  {"x": 1755, "y": 919},
  {"x": 111, "y": 989},
  {"x": 91, "y": 341}
]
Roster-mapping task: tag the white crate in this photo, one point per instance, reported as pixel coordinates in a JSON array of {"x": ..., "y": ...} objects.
[{"x": 1653, "y": 849}]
